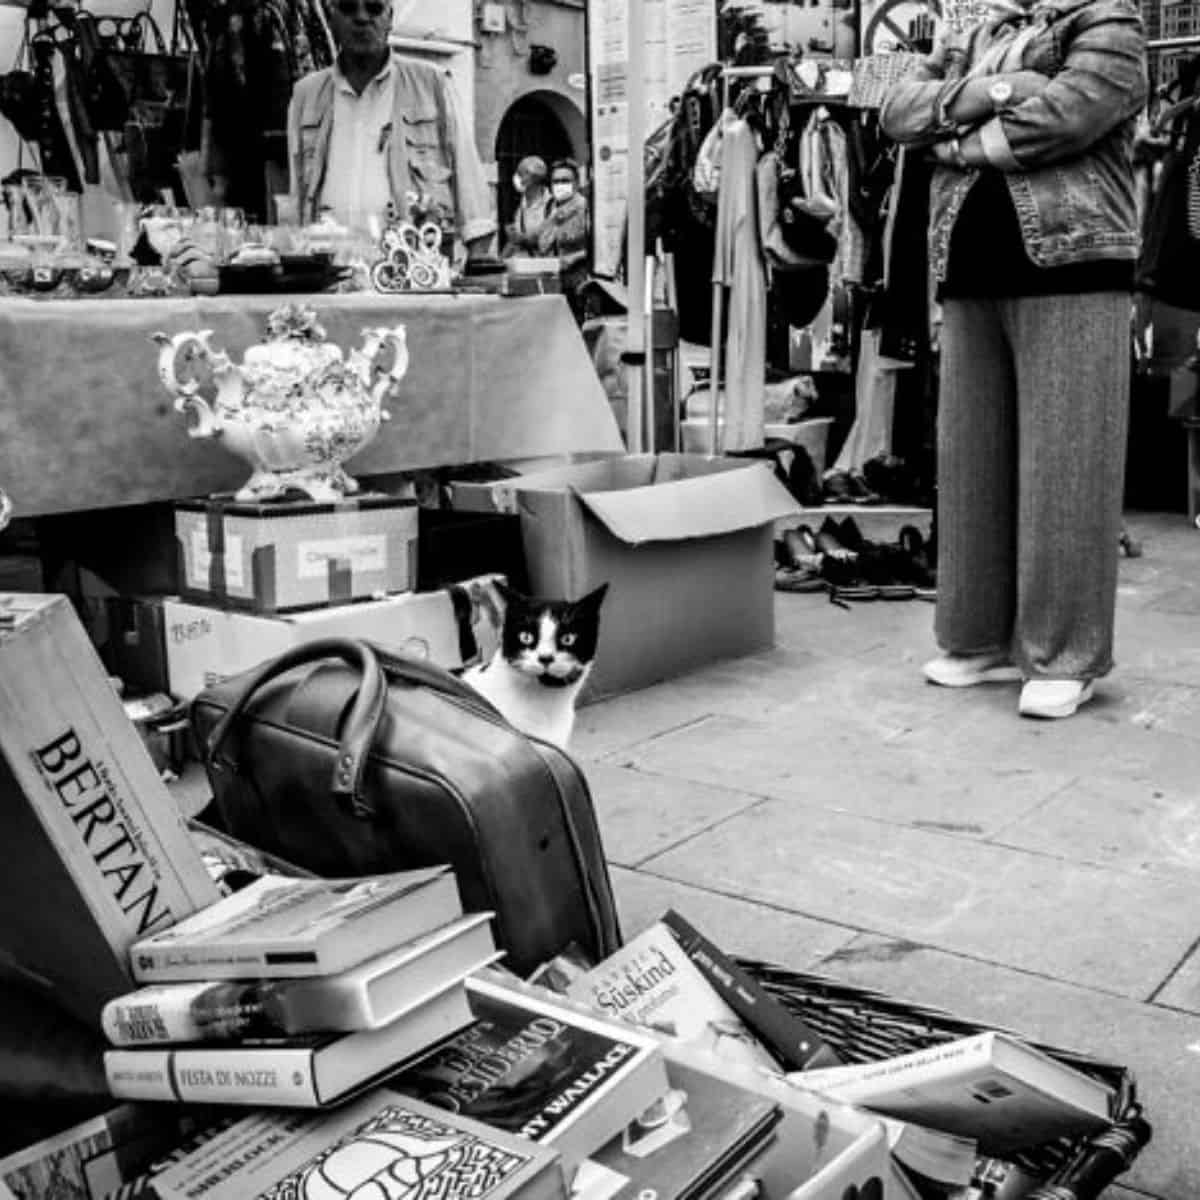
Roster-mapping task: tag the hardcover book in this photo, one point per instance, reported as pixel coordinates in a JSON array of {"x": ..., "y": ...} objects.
[
  {"x": 793, "y": 1041},
  {"x": 990, "y": 1087},
  {"x": 705, "y": 1131},
  {"x": 301, "y": 1072},
  {"x": 540, "y": 1069},
  {"x": 96, "y": 852},
  {"x": 381, "y": 1145},
  {"x": 285, "y": 928},
  {"x": 651, "y": 981},
  {"x": 372, "y": 994}
]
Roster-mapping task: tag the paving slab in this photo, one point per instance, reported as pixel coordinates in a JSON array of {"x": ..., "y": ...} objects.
[
  {"x": 1154, "y": 1043},
  {"x": 642, "y": 815},
  {"x": 1025, "y": 910},
  {"x": 738, "y": 925},
  {"x": 841, "y": 760},
  {"x": 1129, "y": 825}
]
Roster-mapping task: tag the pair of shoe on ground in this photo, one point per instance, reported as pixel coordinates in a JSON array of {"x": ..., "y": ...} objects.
[
  {"x": 839, "y": 557},
  {"x": 1048, "y": 698}
]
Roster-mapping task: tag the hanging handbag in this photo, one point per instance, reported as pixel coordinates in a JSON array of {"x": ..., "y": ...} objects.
[{"x": 347, "y": 760}]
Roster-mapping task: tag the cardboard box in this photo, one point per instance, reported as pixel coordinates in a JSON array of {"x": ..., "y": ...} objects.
[
  {"x": 283, "y": 557},
  {"x": 684, "y": 542},
  {"x": 97, "y": 852},
  {"x": 206, "y": 645},
  {"x": 456, "y": 546},
  {"x": 823, "y": 1150}
]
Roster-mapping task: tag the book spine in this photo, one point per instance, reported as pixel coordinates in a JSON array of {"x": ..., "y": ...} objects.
[
  {"x": 192, "y": 1012},
  {"x": 172, "y": 1013},
  {"x": 283, "y": 1077},
  {"x": 791, "y": 1040}
]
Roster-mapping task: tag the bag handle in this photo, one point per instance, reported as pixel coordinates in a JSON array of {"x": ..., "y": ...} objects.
[{"x": 361, "y": 725}]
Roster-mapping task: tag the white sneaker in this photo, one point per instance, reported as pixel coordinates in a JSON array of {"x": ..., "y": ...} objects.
[
  {"x": 1054, "y": 697},
  {"x": 967, "y": 670}
]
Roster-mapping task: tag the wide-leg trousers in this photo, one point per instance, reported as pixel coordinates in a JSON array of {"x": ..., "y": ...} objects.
[{"x": 1032, "y": 426}]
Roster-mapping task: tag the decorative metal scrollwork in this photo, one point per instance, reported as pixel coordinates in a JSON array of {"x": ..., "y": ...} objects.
[{"x": 412, "y": 260}]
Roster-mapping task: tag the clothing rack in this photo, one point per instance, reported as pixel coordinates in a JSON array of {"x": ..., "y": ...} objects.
[
  {"x": 1176, "y": 43},
  {"x": 728, "y": 73}
]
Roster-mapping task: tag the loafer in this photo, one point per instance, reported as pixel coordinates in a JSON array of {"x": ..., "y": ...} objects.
[
  {"x": 1054, "y": 698},
  {"x": 970, "y": 670}
]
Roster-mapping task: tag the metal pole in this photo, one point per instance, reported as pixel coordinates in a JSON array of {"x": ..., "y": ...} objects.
[{"x": 635, "y": 253}]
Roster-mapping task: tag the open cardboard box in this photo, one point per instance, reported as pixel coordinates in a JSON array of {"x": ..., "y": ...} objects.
[
  {"x": 684, "y": 542},
  {"x": 823, "y": 1149}
]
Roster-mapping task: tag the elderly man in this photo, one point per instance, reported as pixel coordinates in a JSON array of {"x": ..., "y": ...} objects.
[{"x": 373, "y": 129}]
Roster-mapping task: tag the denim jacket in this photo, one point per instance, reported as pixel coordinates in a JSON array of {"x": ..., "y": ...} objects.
[
  {"x": 434, "y": 152},
  {"x": 1066, "y": 154}
]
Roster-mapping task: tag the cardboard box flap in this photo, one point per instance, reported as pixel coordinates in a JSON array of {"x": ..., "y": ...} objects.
[{"x": 724, "y": 501}]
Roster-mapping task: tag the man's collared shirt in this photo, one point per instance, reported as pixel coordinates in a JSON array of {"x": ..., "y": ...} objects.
[{"x": 357, "y": 188}]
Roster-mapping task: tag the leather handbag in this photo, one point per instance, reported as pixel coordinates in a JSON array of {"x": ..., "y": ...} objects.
[{"x": 346, "y": 759}]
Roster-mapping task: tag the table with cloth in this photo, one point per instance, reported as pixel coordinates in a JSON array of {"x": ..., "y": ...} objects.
[{"x": 85, "y": 422}]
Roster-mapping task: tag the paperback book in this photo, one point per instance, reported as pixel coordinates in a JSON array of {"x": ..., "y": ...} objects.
[
  {"x": 990, "y": 1087},
  {"x": 97, "y": 1158},
  {"x": 302, "y": 1072},
  {"x": 795, "y": 1043},
  {"x": 651, "y": 982},
  {"x": 380, "y": 1145},
  {"x": 285, "y": 928},
  {"x": 541, "y": 1070},
  {"x": 368, "y": 996}
]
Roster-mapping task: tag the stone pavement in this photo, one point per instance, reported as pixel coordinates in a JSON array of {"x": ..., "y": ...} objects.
[{"x": 822, "y": 807}]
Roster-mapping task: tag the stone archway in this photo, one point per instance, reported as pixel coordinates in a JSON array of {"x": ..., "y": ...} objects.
[{"x": 540, "y": 122}]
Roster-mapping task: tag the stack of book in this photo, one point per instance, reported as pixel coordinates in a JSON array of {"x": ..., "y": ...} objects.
[{"x": 296, "y": 992}]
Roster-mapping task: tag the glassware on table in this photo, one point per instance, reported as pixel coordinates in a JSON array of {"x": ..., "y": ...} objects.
[{"x": 233, "y": 231}]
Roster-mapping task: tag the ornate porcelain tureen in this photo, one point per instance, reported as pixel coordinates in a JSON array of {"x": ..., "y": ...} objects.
[{"x": 294, "y": 408}]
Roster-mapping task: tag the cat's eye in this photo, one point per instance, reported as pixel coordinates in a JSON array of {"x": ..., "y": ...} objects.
[
  {"x": 526, "y": 639},
  {"x": 567, "y": 639}
]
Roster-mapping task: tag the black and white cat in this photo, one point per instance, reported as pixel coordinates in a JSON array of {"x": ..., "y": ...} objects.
[{"x": 545, "y": 655}]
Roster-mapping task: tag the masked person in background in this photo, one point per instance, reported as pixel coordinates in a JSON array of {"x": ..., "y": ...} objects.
[
  {"x": 567, "y": 230},
  {"x": 533, "y": 203},
  {"x": 1033, "y": 238},
  {"x": 374, "y": 129}
]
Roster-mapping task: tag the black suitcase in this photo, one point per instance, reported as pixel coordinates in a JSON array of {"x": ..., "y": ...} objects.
[{"x": 348, "y": 760}]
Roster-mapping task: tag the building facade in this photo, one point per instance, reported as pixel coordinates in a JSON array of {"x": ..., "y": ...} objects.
[{"x": 530, "y": 89}]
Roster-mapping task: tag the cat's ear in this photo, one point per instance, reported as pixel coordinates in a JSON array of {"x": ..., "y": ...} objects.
[{"x": 594, "y": 598}]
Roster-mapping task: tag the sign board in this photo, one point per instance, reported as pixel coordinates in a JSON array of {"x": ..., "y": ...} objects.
[
  {"x": 888, "y": 25},
  {"x": 681, "y": 37}
]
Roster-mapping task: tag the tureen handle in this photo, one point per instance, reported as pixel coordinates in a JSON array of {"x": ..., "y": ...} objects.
[
  {"x": 175, "y": 350},
  {"x": 376, "y": 342}
]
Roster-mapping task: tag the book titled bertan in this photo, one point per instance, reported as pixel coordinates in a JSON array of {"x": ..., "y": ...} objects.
[
  {"x": 284, "y": 928},
  {"x": 96, "y": 851},
  {"x": 992, "y": 1087}
]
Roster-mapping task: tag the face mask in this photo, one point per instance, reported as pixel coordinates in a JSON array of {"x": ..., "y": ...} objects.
[
  {"x": 518, "y": 185},
  {"x": 562, "y": 192}
]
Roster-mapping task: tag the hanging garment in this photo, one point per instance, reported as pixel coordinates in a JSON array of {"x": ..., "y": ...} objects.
[
  {"x": 874, "y": 407},
  {"x": 739, "y": 266},
  {"x": 54, "y": 151},
  {"x": 1169, "y": 267}
]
